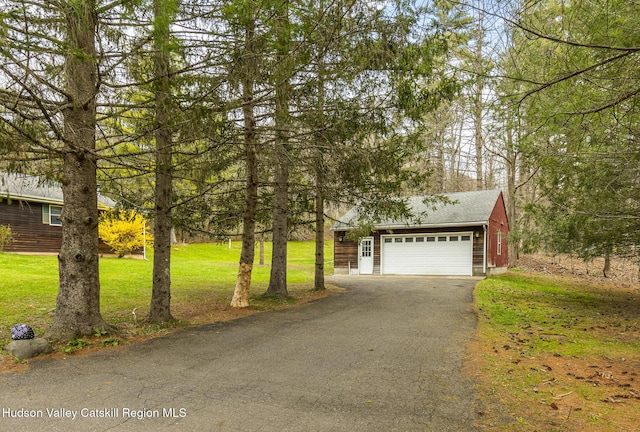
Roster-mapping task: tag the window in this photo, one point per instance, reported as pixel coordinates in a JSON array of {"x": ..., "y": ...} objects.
[
  {"x": 387, "y": 240},
  {"x": 408, "y": 240},
  {"x": 442, "y": 239},
  {"x": 499, "y": 242},
  {"x": 398, "y": 239},
  {"x": 54, "y": 215},
  {"x": 419, "y": 239},
  {"x": 366, "y": 248},
  {"x": 431, "y": 239},
  {"x": 51, "y": 215},
  {"x": 453, "y": 238},
  {"x": 465, "y": 238}
]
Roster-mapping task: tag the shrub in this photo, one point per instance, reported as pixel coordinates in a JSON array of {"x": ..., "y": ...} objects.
[
  {"x": 123, "y": 231},
  {"x": 6, "y": 236}
]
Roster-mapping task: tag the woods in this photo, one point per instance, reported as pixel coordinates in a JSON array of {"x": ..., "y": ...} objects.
[
  {"x": 212, "y": 119},
  {"x": 259, "y": 117}
]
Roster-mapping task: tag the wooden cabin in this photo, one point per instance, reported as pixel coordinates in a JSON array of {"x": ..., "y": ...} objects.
[{"x": 32, "y": 207}]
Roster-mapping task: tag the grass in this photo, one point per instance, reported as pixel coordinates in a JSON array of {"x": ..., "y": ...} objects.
[
  {"x": 559, "y": 316},
  {"x": 557, "y": 354},
  {"x": 203, "y": 278}
]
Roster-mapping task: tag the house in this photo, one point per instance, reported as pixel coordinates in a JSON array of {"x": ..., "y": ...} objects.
[
  {"x": 467, "y": 236},
  {"x": 32, "y": 207}
]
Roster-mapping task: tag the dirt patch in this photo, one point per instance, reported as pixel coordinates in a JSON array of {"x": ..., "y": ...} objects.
[{"x": 554, "y": 393}]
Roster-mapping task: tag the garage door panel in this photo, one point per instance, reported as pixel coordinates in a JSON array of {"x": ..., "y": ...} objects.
[
  {"x": 402, "y": 261},
  {"x": 441, "y": 254}
]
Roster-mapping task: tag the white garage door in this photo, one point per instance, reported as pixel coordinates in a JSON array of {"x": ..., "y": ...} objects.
[{"x": 427, "y": 254}]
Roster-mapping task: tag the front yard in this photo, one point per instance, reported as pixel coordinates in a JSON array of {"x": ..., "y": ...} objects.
[{"x": 203, "y": 279}]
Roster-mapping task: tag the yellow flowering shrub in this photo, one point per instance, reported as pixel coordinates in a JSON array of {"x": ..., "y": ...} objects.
[
  {"x": 6, "y": 236},
  {"x": 123, "y": 231}
]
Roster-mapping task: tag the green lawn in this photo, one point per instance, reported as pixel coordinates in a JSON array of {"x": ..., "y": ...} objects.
[
  {"x": 199, "y": 272},
  {"x": 556, "y": 354},
  {"x": 559, "y": 316}
]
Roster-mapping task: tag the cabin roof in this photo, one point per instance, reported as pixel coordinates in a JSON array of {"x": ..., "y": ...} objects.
[{"x": 38, "y": 189}]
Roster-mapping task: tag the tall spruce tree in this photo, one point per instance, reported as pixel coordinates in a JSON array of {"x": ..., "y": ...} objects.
[
  {"x": 282, "y": 147},
  {"x": 49, "y": 69},
  {"x": 160, "y": 308},
  {"x": 249, "y": 72}
]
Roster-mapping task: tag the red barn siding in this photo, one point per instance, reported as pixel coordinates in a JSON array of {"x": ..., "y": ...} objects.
[{"x": 498, "y": 223}]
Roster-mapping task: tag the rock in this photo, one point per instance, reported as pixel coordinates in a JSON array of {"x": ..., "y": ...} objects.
[{"x": 27, "y": 348}]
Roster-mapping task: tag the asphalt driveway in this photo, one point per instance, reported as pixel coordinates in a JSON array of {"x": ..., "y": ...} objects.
[{"x": 384, "y": 356}]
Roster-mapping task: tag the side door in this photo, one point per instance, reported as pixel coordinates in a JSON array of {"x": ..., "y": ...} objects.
[{"x": 365, "y": 253}]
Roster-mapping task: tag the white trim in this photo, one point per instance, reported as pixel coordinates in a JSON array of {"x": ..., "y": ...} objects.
[
  {"x": 57, "y": 216},
  {"x": 32, "y": 198},
  {"x": 416, "y": 226},
  {"x": 42, "y": 200},
  {"x": 372, "y": 255}
]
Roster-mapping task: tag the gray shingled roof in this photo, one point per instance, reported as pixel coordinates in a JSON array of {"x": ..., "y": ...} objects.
[
  {"x": 38, "y": 189},
  {"x": 466, "y": 208}
]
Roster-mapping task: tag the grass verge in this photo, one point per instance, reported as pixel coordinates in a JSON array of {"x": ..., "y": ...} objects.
[
  {"x": 556, "y": 354},
  {"x": 203, "y": 278}
]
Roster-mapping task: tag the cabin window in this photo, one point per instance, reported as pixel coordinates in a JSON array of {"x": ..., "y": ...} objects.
[
  {"x": 45, "y": 214},
  {"x": 499, "y": 242},
  {"x": 51, "y": 215},
  {"x": 55, "y": 213}
]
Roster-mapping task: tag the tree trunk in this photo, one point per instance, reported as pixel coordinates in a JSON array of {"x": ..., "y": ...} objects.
[
  {"x": 607, "y": 264},
  {"x": 319, "y": 266},
  {"x": 318, "y": 283},
  {"x": 511, "y": 162},
  {"x": 78, "y": 300},
  {"x": 278, "y": 278},
  {"x": 160, "y": 307},
  {"x": 479, "y": 142},
  {"x": 247, "y": 255},
  {"x": 478, "y": 103}
]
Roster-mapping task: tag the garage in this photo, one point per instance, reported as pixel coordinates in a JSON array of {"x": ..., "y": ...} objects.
[
  {"x": 464, "y": 234},
  {"x": 427, "y": 254}
]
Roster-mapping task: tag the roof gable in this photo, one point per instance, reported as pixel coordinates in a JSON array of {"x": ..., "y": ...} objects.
[
  {"x": 464, "y": 208},
  {"x": 38, "y": 189}
]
